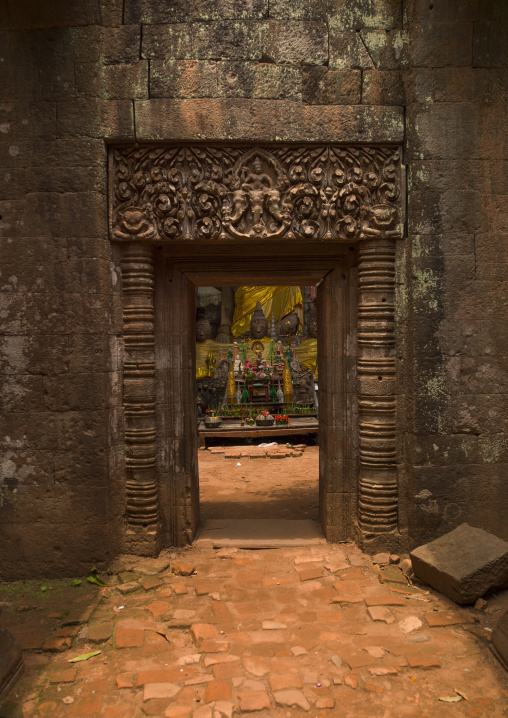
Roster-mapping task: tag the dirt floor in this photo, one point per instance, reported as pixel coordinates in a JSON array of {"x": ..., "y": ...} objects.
[
  {"x": 320, "y": 631},
  {"x": 252, "y": 483}
]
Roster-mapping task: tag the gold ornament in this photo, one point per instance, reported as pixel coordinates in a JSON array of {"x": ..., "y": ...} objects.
[
  {"x": 288, "y": 384},
  {"x": 231, "y": 386}
]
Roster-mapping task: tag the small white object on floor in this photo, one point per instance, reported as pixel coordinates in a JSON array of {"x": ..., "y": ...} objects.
[{"x": 267, "y": 446}]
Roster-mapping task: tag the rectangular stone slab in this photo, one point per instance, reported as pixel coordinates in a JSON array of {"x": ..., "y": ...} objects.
[{"x": 463, "y": 564}]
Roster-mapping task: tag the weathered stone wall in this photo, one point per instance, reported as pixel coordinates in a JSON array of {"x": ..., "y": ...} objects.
[
  {"x": 60, "y": 315},
  {"x": 75, "y": 76},
  {"x": 453, "y": 295}
]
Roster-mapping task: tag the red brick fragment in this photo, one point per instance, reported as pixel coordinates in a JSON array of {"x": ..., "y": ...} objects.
[
  {"x": 158, "y": 608},
  {"x": 348, "y": 588},
  {"x": 281, "y": 682},
  {"x": 149, "y": 582},
  {"x": 232, "y": 454},
  {"x": 446, "y": 618},
  {"x": 129, "y": 637},
  {"x": 217, "y": 691},
  {"x": 210, "y": 646},
  {"x": 100, "y": 632},
  {"x": 66, "y": 676},
  {"x": 419, "y": 660},
  {"x": 165, "y": 675},
  {"x": 203, "y": 630},
  {"x": 254, "y": 701},
  {"x": 180, "y": 589},
  {"x": 155, "y": 691},
  {"x": 351, "y": 680},
  {"x": 125, "y": 680},
  {"x": 309, "y": 574},
  {"x": 360, "y": 660},
  {"x": 385, "y": 600},
  {"x": 56, "y": 645}
]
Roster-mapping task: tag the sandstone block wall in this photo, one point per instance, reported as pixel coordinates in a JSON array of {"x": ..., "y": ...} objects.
[
  {"x": 453, "y": 287},
  {"x": 77, "y": 75}
]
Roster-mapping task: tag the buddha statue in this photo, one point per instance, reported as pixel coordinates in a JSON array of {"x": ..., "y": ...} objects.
[
  {"x": 288, "y": 324},
  {"x": 237, "y": 360},
  {"x": 258, "y": 323},
  {"x": 203, "y": 327}
]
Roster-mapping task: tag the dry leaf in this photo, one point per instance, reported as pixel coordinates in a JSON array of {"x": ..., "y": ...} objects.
[{"x": 84, "y": 657}]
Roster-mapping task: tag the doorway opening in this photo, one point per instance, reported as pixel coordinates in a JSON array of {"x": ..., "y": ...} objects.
[
  {"x": 179, "y": 270},
  {"x": 257, "y": 398}
]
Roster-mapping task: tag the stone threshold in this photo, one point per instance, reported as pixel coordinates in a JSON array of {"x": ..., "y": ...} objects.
[{"x": 259, "y": 533}]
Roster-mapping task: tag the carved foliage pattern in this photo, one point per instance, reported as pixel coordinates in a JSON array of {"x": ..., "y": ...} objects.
[{"x": 208, "y": 193}]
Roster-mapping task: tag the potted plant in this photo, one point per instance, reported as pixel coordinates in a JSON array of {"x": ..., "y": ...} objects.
[
  {"x": 264, "y": 419},
  {"x": 211, "y": 419}
]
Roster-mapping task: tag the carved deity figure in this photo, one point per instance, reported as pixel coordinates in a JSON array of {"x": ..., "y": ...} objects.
[
  {"x": 258, "y": 194},
  {"x": 203, "y": 327},
  {"x": 258, "y": 323}
]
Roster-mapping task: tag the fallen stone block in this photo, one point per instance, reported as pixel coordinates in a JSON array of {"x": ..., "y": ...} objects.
[
  {"x": 381, "y": 558},
  {"x": 181, "y": 568},
  {"x": 500, "y": 638},
  {"x": 152, "y": 566},
  {"x": 463, "y": 564}
]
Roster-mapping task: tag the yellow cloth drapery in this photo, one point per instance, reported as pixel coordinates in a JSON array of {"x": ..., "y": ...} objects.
[
  {"x": 278, "y": 301},
  {"x": 307, "y": 353}
]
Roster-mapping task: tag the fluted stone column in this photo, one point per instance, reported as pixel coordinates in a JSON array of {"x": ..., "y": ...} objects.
[
  {"x": 378, "y": 492},
  {"x": 141, "y": 510}
]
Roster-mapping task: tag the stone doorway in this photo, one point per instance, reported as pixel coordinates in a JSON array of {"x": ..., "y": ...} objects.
[
  {"x": 182, "y": 275},
  {"x": 290, "y": 215}
]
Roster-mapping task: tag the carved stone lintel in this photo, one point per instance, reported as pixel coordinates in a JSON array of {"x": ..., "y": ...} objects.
[
  {"x": 322, "y": 192},
  {"x": 377, "y": 388},
  {"x": 139, "y": 394}
]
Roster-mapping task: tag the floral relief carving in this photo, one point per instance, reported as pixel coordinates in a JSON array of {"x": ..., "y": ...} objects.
[{"x": 294, "y": 192}]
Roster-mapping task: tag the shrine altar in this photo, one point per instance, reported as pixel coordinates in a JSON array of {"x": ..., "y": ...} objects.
[{"x": 233, "y": 430}]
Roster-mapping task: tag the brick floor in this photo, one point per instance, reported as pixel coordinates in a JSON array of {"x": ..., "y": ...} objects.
[{"x": 244, "y": 635}]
